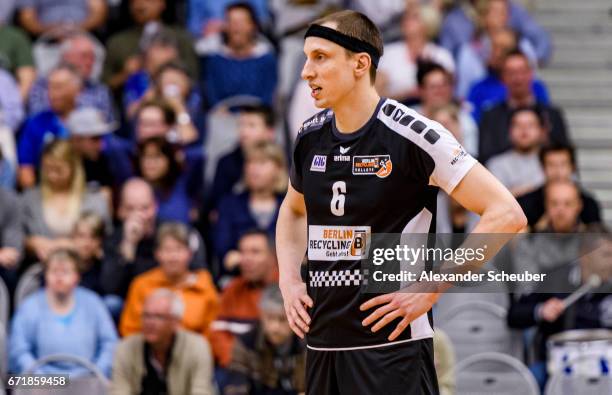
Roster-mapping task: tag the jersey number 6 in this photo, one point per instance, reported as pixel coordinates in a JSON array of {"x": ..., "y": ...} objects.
[{"x": 337, "y": 202}]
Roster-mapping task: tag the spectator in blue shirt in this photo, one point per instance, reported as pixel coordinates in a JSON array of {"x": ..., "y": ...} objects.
[
  {"x": 78, "y": 51},
  {"x": 171, "y": 83},
  {"x": 232, "y": 59},
  {"x": 491, "y": 90},
  {"x": 206, "y": 16},
  {"x": 62, "y": 318},
  {"x": 473, "y": 55},
  {"x": 265, "y": 177},
  {"x": 517, "y": 76},
  {"x": 255, "y": 125},
  {"x": 64, "y": 86},
  {"x": 458, "y": 27},
  {"x": 161, "y": 48},
  {"x": 42, "y": 16}
]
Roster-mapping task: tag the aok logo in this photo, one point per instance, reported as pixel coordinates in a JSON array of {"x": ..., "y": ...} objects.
[
  {"x": 319, "y": 163},
  {"x": 400, "y": 116}
]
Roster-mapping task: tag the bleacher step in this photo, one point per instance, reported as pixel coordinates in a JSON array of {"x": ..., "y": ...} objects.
[{"x": 579, "y": 78}]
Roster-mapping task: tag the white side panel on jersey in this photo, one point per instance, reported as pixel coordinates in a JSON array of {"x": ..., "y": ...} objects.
[
  {"x": 452, "y": 162},
  {"x": 420, "y": 223},
  {"x": 415, "y": 233}
]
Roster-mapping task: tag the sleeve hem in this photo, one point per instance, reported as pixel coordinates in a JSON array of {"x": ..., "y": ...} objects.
[
  {"x": 459, "y": 175},
  {"x": 300, "y": 190}
]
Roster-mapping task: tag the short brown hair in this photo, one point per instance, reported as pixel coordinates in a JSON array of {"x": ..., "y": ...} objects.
[
  {"x": 64, "y": 254},
  {"x": 94, "y": 223},
  {"x": 173, "y": 230},
  {"x": 270, "y": 151},
  {"x": 162, "y": 105},
  {"x": 359, "y": 26}
]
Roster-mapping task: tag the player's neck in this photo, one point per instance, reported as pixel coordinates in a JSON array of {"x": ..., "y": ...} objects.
[{"x": 356, "y": 109}]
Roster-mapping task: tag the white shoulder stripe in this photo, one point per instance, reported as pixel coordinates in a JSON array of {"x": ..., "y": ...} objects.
[
  {"x": 410, "y": 124},
  {"x": 452, "y": 162}
]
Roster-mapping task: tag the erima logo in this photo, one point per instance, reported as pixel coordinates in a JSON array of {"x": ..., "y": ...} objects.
[
  {"x": 318, "y": 163},
  {"x": 342, "y": 158}
]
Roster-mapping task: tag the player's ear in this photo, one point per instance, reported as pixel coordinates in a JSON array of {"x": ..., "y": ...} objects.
[{"x": 362, "y": 65}]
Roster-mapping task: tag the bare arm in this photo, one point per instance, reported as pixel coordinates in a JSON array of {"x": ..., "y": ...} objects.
[
  {"x": 291, "y": 235},
  {"x": 97, "y": 15},
  {"x": 291, "y": 242},
  {"x": 29, "y": 20},
  {"x": 42, "y": 246},
  {"x": 480, "y": 192},
  {"x": 26, "y": 176},
  {"x": 130, "y": 66},
  {"x": 25, "y": 77}
]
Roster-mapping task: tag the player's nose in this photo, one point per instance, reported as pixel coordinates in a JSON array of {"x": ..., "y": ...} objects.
[{"x": 307, "y": 71}]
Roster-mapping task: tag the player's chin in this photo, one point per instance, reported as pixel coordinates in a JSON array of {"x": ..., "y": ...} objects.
[{"x": 321, "y": 103}]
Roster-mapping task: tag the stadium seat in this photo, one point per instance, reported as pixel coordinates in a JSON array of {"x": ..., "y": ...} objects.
[
  {"x": 449, "y": 301},
  {"x": 5, "y": 305},
  {"x": 477, "y": 326},
  {"x": 3, "y": 356},
  {"x": 561, "y": 384},
  {"x": 495, "y": 293},
  {"x": 29, "y": 283},
  {"x": 94, "y": 384},
  {"x": 494, "y": 373}
]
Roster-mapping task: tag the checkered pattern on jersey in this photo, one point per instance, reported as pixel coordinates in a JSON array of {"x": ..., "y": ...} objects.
[{"x": 336, "y": 278}]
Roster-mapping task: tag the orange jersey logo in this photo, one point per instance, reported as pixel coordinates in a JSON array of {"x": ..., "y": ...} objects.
[
  {"x": 385, "y": 168},
  {"x": 379, "y": 165}
]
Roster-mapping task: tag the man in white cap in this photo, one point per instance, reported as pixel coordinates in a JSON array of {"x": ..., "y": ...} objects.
[{"x": 106, "y": 157}]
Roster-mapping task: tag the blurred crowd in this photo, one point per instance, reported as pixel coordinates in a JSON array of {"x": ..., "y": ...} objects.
[{"x": 143, "y": 159}]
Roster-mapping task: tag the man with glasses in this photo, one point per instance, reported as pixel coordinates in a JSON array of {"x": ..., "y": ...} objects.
[{"x": 163, "y": 358}]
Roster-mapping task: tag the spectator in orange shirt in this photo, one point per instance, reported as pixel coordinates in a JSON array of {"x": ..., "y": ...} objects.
[
  {"x": 239, "y": 310},
  {"x": 196, "y": 288}
]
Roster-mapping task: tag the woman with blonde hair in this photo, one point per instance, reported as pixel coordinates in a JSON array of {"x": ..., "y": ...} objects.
[
  {"x": 265, "y": 182},
  {"x": 52, "y": 209}
]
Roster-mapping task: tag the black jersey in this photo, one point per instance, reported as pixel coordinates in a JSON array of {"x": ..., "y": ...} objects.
[{"x": 382, "y": 178}]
